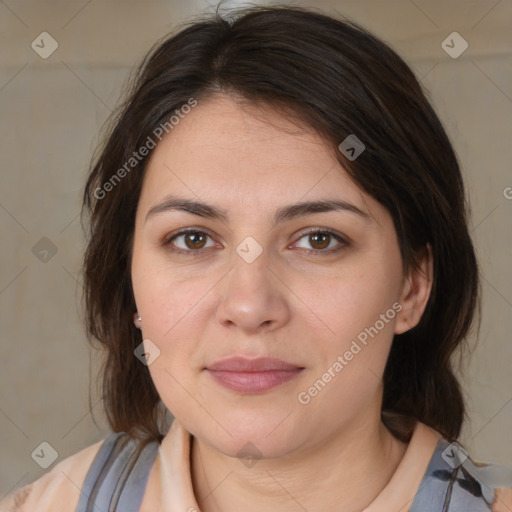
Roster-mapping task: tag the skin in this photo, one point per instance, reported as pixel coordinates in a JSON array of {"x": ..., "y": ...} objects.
[{"x": 303, "y": 308}]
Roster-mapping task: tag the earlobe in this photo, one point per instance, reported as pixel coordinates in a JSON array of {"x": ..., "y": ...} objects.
[
  {"x": 415, "y": 293},
  {"x": 137, "y": 320}
]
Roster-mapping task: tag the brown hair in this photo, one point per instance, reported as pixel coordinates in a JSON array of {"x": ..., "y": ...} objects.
[{"x": 339, "y": 80}]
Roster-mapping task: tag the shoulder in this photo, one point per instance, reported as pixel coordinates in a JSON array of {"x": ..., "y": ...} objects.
[
  {"x": 481, "y": 486},
  {"x": 58, "y": 490},
  {"x": 455, "y": 482}
]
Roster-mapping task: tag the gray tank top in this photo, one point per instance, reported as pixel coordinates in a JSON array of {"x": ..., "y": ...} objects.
[{"x": 117, "y": 479}]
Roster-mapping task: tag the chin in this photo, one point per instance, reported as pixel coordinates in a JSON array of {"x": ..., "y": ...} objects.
[
  {"x": 253, "y": 447},
  {"x": 253, "y": 436}
]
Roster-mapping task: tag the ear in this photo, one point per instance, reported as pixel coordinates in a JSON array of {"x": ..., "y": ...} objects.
[{"x": 415, "y": 292}]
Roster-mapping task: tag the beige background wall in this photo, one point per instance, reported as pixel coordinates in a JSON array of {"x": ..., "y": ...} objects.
[{"x": 51, "y": 111}]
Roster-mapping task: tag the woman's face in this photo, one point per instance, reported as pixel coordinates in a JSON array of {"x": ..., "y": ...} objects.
[{"x": 253, "y": 282}]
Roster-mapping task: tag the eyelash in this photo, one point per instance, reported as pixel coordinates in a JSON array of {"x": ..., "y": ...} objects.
[{"x": 311, "y": 252}]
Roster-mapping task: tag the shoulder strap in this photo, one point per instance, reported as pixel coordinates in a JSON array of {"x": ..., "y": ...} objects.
[
  {"x": 118, "y": 475},
  {"x": 449, "y": 487}
]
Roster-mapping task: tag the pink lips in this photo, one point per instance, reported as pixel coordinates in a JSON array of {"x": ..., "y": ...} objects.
[{"x": 252, "y": 375}]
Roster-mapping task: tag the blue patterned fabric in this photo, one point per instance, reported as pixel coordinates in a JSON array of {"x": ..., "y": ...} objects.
[{"x": 454, "y": 483}]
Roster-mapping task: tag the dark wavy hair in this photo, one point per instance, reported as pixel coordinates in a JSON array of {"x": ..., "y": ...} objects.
[{"x": 339, "y": 80}]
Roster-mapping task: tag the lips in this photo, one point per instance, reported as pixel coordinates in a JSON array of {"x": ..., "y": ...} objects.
[
  {"x": 252, "y": 375},
  {"x": 261, "y": 364}
]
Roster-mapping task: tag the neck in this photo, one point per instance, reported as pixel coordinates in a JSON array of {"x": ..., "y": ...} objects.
[{"x": 346, "y": 472}]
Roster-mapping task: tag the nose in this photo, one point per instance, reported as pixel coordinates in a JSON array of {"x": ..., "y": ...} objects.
[{"x": 252, "y": 297}]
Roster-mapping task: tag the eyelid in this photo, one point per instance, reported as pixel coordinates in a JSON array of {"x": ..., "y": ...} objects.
[{"x": 311, "y": 231}]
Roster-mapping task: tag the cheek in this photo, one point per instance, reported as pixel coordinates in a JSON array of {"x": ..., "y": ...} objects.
[
  {"x": 348, "y": 304},
  {"x": 358, "y": 313},
  {"x": 353, "y": 349},
  {"x": 166, "y": 301},
  {"x": 173, "y": 319}
]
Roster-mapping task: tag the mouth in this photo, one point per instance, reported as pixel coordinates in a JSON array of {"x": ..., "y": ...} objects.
[{"x": 252, "y": 375}]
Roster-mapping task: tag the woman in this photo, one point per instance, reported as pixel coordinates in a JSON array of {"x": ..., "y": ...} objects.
[{"x": 279, "y": 256}]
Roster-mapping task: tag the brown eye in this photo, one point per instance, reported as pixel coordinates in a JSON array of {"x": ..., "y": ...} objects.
[
  {"x": 188, "y": 241},
  {"x": 319, "y": 240},
  {"x": 322, "y": 241},
  {"x": 195, "y": 240}
]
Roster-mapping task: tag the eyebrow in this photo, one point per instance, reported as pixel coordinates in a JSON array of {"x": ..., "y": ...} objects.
[{"x": 289, "y": 212}]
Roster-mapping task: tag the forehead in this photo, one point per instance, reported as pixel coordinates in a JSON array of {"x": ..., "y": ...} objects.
[
  {"x": 228, "y": 151},
  {"x": 234, "y": 132}
]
